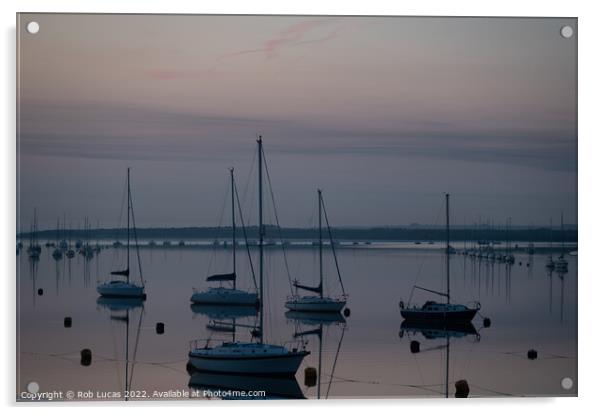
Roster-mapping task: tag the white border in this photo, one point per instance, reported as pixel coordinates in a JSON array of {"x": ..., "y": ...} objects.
[{"x": 590, "y": 201}]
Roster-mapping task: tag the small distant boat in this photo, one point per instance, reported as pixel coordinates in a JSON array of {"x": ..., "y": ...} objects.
[
  {"x": 120, "y": 288},
  {"x": 433, "y": 311},
  {"x": 561, "y": 264},
  {"x": 166, "y": 243},
  {"x": 318, "y": 303},
  {"x": 531, "y": 248},
  {"x": 227, "y": 295},
  {"x": 181, "y": 243},
  {"x": 34, "y": 249}
]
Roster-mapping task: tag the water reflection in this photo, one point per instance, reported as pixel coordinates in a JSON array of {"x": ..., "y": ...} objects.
[
  {"x": 537, "y": 312},
  {"x": 233, "y": 386},
  {"x": 433, "y": 331},
  {"x": 319, "y": 321},
  {"x": 121, "y": 310}
]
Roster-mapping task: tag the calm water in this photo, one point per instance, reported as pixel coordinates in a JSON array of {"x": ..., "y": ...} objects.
[{"x": 529, "y": 307}]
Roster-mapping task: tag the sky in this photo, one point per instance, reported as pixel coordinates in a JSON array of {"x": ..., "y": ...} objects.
[{"x": 384, "y": 114}]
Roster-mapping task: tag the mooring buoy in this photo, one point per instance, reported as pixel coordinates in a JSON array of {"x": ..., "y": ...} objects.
[
  {"x": 347, "y": 312},
  {"x": 67, "y": 322},
  {"x": 160, "y": 328},
  {"x": 40, "y": 291},
  {"x": 414, "y": 346},
  {"x": 311, "y": 376},
  {"x": 532, "y": 354},
  {"x": 462, "y": 389},
  {"x": 86, "y": 357},
  {"x": 486, "y": 322}
]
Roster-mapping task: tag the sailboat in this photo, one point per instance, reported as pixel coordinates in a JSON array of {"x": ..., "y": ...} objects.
[
  {"x": 121, "y": 288},
  {"x": 561, "y": 264},
  {"x": 34, "y": 249},
  {"x": 278, "y": 387},
  {"x": 57, "y": 254},
  {"x": 227, "y": 295},
  {"x": 318, "y": 303},
  {"x": 550, "y": 261},
  {"x": 250, "y": 357},
  {"x": 70, "y": 251},
  {"x": 509, "y": 257},
  {"x": 436, "y": 311}
]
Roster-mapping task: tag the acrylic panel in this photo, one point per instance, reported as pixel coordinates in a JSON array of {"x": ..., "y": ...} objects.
[{"x": 291, "y": 207}]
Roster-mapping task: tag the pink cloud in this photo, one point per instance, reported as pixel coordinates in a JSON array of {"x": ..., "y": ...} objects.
[{"x": 294, "y": 35}]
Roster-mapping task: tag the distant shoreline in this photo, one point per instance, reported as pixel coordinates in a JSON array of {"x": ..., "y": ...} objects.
[{"x": 340, "y": 234}]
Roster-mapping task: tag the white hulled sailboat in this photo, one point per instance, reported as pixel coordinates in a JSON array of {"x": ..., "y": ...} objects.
[
  {"x": 227, "y": 295},
  {"x": 121, "y": 288},
  {"x": 320, "y": 302}
]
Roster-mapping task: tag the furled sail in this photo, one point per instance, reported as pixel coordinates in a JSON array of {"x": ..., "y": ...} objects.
[
  {"x": 222, "y": 277},
  {"x": 317, "y": 289},
  {"x": 125, "y": 272}
]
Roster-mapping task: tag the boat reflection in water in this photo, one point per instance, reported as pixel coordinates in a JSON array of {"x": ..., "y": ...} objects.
[
  {"x": 119, "y": 303},
  {"x": 224, "y": 311},
  {"x": 121, "y": 309},
  {"x": 445, "y": 330},
  {"x": 241, "y": 386},
  {"x": 321, "y": 320}
]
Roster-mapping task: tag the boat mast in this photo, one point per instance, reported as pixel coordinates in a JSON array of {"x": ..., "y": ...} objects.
[
  {"x": 561, "y": 233},
  {"x": 320, "y": 242},
  {"x": 261, "y": 230},
  {"x": 128, "y": 231},
  {"x": 35, "y": 227},
  {"x": 447, "y": 247},
  {"x": 233, "y": 228}
]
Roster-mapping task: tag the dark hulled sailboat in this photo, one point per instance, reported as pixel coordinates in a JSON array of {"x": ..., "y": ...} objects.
[{"x": 434, "y": 311}]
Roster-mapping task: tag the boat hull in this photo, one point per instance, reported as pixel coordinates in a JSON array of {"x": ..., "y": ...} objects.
[
  {"x": 121, "y": 290},
  {"x": 316, "y": 305},
  {"x": 225, "y": 297},
  {"x": 282, "y": 365}
]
